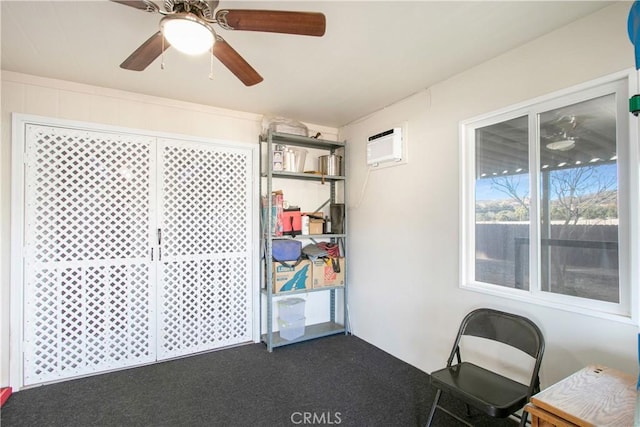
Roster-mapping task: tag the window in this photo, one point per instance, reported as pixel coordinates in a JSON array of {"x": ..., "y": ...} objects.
[{"x": 548, "y": 190}]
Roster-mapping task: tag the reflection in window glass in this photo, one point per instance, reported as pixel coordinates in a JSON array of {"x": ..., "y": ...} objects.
[
  {"x": 550, "y": 190},
  {"x": 502, "y": 204},
  {"x": 579, "y": 200}
]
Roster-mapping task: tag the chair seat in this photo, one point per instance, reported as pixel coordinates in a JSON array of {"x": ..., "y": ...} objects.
[{"x": 487, "y": 391}]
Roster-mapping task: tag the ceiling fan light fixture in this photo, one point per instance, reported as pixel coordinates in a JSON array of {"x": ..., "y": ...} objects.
[
  {"x": 562, "y": 145},
  {"x": 188, "y": 33}
]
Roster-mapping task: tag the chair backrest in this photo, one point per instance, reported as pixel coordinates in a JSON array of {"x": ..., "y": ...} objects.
[
  {"x": 511, "y": 329},
  {"x": 507, "y": 329}
]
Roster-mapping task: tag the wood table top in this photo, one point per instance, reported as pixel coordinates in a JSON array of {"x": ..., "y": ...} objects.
[{"x": 594, "y": 396}]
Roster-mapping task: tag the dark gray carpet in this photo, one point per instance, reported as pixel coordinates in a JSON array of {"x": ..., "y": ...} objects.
[{"x": 339, "y": 380}]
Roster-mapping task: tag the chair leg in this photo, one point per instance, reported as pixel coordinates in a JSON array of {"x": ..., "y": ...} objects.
[
  {"x": 433, "y": 407},
  {"x": 523, "y": 418}
]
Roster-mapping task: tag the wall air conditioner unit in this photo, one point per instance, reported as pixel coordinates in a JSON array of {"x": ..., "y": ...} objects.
[{"x": 385, "y": 147}]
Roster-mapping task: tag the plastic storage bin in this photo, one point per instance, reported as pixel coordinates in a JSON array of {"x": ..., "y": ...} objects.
[
  {"x": 291, "y": 309},
  {"x": 292, "y": 329}
]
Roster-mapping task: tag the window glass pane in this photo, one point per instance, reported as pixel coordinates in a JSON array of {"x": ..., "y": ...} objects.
[
  {"x": 502, "y": 204},
  {"x": 579, "y": 199}
]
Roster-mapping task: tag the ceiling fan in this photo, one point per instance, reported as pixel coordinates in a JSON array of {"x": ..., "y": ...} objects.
[
  {"x": 562, "y": 133},
  {"x": 187, "y": 25}
]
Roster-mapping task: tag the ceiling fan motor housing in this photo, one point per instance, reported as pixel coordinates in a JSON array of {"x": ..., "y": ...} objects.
[{"x": 201, "y": 8}]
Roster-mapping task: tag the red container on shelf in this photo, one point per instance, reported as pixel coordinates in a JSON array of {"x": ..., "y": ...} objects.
[{"x": 291, "y": 222}]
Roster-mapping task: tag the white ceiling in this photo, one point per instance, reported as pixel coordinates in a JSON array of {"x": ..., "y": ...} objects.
[{"x": 373, "y": 54}]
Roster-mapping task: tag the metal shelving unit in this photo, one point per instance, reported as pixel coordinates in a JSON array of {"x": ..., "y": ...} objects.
[{"x": 272, "y": 338}]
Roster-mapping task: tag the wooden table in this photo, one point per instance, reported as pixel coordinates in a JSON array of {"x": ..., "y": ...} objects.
[{"x": 593, "y": 396}]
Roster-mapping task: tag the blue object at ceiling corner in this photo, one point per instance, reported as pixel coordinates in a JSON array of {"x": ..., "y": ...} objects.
[{"x": 633, "y": 27}]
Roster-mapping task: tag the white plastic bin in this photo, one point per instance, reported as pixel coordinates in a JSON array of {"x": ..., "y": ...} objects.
[
  {"x": 291, "y": 330},
  {"x": 291, "y": 309}
]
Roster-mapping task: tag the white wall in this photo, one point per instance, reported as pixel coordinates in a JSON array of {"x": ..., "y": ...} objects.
[
  {"x": 403, "y": 245},
  {"x": 66, "y": 100}
]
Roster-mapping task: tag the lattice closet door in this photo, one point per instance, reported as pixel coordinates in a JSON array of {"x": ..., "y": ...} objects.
[
  {"x": 88, "y": 291},
  {"x": 205, "y": 271}
]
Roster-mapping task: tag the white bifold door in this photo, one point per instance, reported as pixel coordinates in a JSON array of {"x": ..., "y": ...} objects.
[{"x": 136, "y": 249}]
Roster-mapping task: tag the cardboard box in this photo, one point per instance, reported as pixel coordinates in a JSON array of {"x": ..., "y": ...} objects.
[
  {"x": 317, "y": 215},
  {"x": 315, "y": 226},
  {"x": 289, "y": 279},
  {"x": 324, "y": 275},
  {"x": 316, "y": 223}
]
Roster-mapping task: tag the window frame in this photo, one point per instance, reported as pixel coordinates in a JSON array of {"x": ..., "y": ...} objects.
[{"x": 621, "y": 84}]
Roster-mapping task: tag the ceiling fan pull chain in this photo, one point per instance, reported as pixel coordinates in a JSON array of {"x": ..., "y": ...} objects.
[
  {"x": 162, "y": 55},
  {"x": 211, "y": 65}
]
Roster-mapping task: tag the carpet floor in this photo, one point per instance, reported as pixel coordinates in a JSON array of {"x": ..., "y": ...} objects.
[{"x": 338, "y": 380}]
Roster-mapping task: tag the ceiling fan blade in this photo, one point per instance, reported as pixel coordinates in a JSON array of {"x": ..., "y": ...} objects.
[
  {"x": 138, "y": 4},
  {"x": 235, "y": 63},
  {"x": 273, "y": 21},
  {"x": 146, "y": 53}
]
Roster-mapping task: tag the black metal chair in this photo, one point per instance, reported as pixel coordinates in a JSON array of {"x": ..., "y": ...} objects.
[{"x": 484, "y": 389}]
